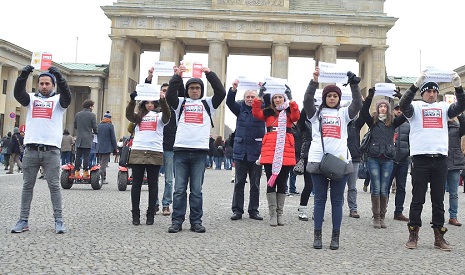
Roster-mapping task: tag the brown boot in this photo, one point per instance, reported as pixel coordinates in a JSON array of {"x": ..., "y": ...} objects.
[
  {"x": 375, "y": 207},
  {"x": 455, "y": 222},
  {"x": 413, "y": 237},
  {"x": 383, "y": 209},
  {"x": 272, "y": 203},
  {"x": 439, "y": 241},
  {"x": 77, "y": 174},
  {"x": 85, "y": 174}
]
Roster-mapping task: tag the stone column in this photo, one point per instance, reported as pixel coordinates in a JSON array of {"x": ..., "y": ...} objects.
[
  {"x": 167, "y": 53},
  {"x": 117, "y": 85},
  {"x": 280, "y": 60},
  {"x": 378, "y": 65},
  {"x": 10, "y": 101},
  {"x": 326, "y": 53},
  {"x": 94, "y": 97},
  {"x": 217, "y": 53}
]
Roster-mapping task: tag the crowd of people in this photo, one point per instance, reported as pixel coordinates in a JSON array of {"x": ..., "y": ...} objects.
[{"x": 272, "y": 134}]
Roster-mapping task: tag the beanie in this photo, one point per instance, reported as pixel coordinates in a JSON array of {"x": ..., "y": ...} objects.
[
  {"x": 49, "y": 75},
  {"x": 194, "y": 80},
  {"x": 16, "y": 130},
  {"x": 278, "y": 92},
  {"x": 429, "y": 85},
  {"x": 331, "y": 88},
  {"x": 383, "y": 101},
  {"x": 107, "y": 115}
]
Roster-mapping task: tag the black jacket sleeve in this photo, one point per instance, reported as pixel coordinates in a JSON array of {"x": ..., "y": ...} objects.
[
  {"x": 309, "y": 99},
  {"x": 219, "y": 93},
  {"x": 356, "y": 103},
  {"x": 405, "y": 102},
  {"x": 65, "y": 93},
  {"x": 365, "y": 112},
  {"x": 172, "y": 93},
  {"x": 20, "y": 93},
  {"x": 458, "y": 107}
]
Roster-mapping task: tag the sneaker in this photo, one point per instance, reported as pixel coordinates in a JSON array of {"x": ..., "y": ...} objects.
[
  {"x": 198, "y": 228},
  {"x": 60, "y": 227},
  {"x": 9, "y": 172},
  {"x": 354, "y": 214},
  {"x": 157, "y": 208},
  {"x": 295, "y": 192},
  {"x": 166, "y": 211},
  {"x": 20, "y": 227},
  {"x": 174, "y": 228},
  {"x": 365, "y": 188},
  {"x": 401, "y": 217}
]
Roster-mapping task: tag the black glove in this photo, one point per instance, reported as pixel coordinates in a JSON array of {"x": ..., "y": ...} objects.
[
  {"x": 397, "y": 93},
  {"x": 133, "y": 95},
  {"x": 55, "y": 72},
  {"x": 288, "y": 92},
  {"x": 262, "y": 90},
  {"x": 371, "y": 92},
  {"x": 352, "y": 78},
  {"x": 27, "y": 70}
]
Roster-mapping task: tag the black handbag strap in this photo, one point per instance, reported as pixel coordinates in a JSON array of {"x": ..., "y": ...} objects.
[{"x": 321, "y": 136}]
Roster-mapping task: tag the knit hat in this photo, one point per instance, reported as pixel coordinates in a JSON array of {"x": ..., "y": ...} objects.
[
  {"x": 331, "y": 88},
  {"x": 383, "y": 101},
  {"x": 16, "y": 130},
  {"x": 107, "y": 115},
  {"x": 429, "y": 85},
  {"x": 194, "y": 80},
  {"x": 277, "y": 92},
  {"x": 49, "y": 75}
]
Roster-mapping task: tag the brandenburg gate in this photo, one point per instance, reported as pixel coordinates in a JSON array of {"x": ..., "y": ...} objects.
[{"x": 323, "y": 29}]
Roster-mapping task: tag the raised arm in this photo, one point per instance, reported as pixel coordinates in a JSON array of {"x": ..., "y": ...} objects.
[
  {"x": 459, "y": 106},
  {"x": 173, "y": 87},
  {"x": 309, "y": 97},
  {"x": 356, "y": 103},
  {"x": 219, "y": 93},
  {"x": 165, "y": 110},
  {"x": 19, "y": 91},
  {"x": 365, "y": 111},
  {"x": 231, "y": 99}
]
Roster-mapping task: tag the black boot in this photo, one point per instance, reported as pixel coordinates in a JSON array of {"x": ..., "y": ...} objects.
[
  {"x": 317, "y": 244},
  {"x": 135, "y": 217},
  {"x": 150, "y": 215},
  {"x": 335, "y": 239}
]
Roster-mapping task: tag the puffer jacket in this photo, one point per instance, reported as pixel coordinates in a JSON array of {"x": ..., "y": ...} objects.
[
  {"x": 269, "y": 140},
  {"x": 353, "y": 138},
  {"x": 455, "y": 156},
  {"x": 402, "y": 144}
]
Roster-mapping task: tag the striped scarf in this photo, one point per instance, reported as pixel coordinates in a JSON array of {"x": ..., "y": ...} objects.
[{"x": 280, "y": 141}]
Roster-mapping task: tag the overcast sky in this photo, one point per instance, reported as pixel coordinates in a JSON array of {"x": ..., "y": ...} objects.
[{"x": 433, "y": 27}]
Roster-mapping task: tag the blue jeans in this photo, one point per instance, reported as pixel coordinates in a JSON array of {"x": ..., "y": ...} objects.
[
  {"x": 320, "y": 187},
  {"x": 399, "y": 172},
  {"x": 168, "y": 163},
  {"x": 254, "y": 171},
  {"x": 32, "y": 161},
  {"x": 218, "y": 162},
  {"x": 190, "y": 168},
  {"x": 65, "y": 157},
  {"x": 292, "y": 180},
  {"x": 227, "y": 163},
  {"x": 380, "y": 173},
  {"x": 352, "y": 188},
  {"x": 452, "y": 185}
]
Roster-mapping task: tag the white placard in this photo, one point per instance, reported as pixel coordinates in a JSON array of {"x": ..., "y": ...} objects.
[
  {"x": 436, "y": 75},
  {"x": 193, "y": 69},
  {"x": 147, "y": 92},
  {"x": 385, "y": 89},
  {"x": 246, "y": 83},
  {"x": 331, "y": 73},
  {"x": 275, "y": 84},
  {"x": 163, "y": 68}
]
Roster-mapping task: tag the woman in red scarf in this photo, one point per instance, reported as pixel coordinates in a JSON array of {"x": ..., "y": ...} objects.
[{"x": 278, "y": 153}]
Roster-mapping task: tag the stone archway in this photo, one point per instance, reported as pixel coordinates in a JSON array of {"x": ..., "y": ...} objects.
[{"x": 322, "y": 29}]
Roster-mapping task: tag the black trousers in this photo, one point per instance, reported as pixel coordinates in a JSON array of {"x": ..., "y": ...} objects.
[{"x": 426, "y": 170}]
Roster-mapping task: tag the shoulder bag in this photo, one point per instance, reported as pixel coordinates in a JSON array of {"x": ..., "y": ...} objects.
[{"x": 331, "y": 166}]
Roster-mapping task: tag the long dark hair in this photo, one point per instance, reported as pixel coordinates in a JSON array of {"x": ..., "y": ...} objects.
[{"x": 142, "y": 112}]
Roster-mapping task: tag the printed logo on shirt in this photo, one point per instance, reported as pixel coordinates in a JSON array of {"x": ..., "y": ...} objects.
[
  {"x": 331, "y": 127},
  {"x": 193, "y": 113},
  {"x": 432, "y": 118},
  {"x": 148, "y": 123},
  {"x": 42, "y": 109}
]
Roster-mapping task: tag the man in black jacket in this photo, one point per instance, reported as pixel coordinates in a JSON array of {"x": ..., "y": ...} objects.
[{"x": 401, "y": 164}]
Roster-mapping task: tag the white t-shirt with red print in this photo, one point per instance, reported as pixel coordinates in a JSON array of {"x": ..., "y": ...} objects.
[
  {"x": 334, "y": 128},
  {"x": 44, "y": 120},
  {"x": 429, "y": 133},
  {"x": 149, "y": 133}
]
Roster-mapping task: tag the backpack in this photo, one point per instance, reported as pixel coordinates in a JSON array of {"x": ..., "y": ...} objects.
[{"x": 205, "y": 104}]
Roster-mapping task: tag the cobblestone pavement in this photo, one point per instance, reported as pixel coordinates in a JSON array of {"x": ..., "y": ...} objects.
[{"x": 102, "y": 240}]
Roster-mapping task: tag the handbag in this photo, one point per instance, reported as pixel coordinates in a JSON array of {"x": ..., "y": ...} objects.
[
  {"x": 362, "y": 172},
  {"x": 365, "y": 141},
  {"x": 299, "y": 168},
  {"x": 331, "y": 166},
  {"x": 126, "y": 150}
]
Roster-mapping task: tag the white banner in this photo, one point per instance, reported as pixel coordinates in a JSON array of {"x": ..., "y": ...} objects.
[
  {"x": 246, "y": 83},
  {"x": 385, "y": 89},
  {"x": 147, "y": 92},
  {"x": 275, "y": 84},
  {"x": 436, "y": 75},
  {"x": 330, "y": 73},
  {"x": 163, "y": 68}
]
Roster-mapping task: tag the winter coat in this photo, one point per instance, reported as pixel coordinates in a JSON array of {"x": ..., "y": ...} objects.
[
  {"x": 85, "y": 122},
  {"x": 249, "y": 130},
  {"x": 269, "y": 140},
  {"x": 455, "y": 156},
  {"x": 219, "y": 149},
  {"x": 169, "y": 131},
  {"x": 5, "y": 145},
  {"x": 353, "y": 138},
  {"x": 67, "y": 143},
  {"x": 106, "y": 137},
  {"x": 401, "y": 141},
  {"x": 14, "y": 144},
  {"x": 305, "y": 128},
  {"x": 382, "y": 136},
  {"x": 228, "y": 149}
]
